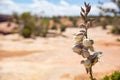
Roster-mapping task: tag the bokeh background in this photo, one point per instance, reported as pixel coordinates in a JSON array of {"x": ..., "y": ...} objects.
[{"x": 36, "y": 39}]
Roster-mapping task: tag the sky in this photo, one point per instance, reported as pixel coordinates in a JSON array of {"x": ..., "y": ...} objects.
[{"x": 51, "y": 7}]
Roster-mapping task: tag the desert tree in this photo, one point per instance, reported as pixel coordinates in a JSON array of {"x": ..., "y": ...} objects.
[
  {"x": 115, "y": 12},
  {"x": 115, "y": 19}
]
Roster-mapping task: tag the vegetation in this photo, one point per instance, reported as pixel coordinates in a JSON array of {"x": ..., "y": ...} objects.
[
  {"x": 26, "y": 32},
  {"x": 106, "y": 78},
  {"x": 26, "y": 17},
  {"x": 62, "y": 28},
  {"x": 30, "y": 26},
  {"x": 16, "y": 17},
  {"x": 56, "y": 19},
  {"x": 54, "y": 27},
  {"x": 115, "y": 20},
  {"x": 44, "y": 24},
  {"x": 84, "y": 45},
  {"x": 40, "y": 26},
  {"x": 74, "y": 20},
  {"x": 114, "y": 76}
]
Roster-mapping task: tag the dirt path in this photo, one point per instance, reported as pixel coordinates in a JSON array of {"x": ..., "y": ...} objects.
[{"x": 53, "y": 58}]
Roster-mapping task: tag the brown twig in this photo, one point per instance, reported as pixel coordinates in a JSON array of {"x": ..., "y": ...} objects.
[{"x": 91, "y": 75}]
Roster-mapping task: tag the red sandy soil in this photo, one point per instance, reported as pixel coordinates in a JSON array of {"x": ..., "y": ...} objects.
[{"x": 53, "y": 58}]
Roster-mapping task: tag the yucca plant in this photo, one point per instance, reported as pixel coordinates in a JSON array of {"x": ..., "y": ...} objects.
[{"x": 84, "y": 45}]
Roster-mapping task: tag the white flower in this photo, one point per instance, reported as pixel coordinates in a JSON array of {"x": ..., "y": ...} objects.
[
  {"x": 91, "y": 48},
  {"x": 94, "y": 58},
  {"x": 77, "y": 48},
  {"x": 85, "y": 53},
  {"x": 79, "y": 37},
  {"x": 87, "y": 42},
  {"x": 87, "y": 64},
  {"x": 98, "y": 54}
]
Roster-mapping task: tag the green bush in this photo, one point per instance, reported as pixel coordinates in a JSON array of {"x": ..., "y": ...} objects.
[
  {"x": 26, "y": 33},
  {"x": 114, "y": 76},
  {"x": 62, "y": 28},
  {"x": 29, "y": 25},
  {"x": 44, "y": 27},
  {"x": 74, "y": 21},
  {"x": 115, "y": 30},
  {"x": 56, "y": 19},
  {"x": 26, "y": 17},
  {"x": 36, "y": 31},
  {"x": 28, "y": 29},
  {"x": 16, "y": 17},
  {"x": 54, "y": 27},
  {"x": 106, "y": 78}
]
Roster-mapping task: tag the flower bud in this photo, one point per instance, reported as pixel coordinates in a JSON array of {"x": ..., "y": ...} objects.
[
  {"x": 88, "y": 8},
  {"x": 79, "y": 37},
  {"x": 85, "y": 53},
  {"x": 82, "y": 15},
  {"x": 98, "y": 54},
  {"x": 86, "y": 63},
  {"x": 87, "y": 42},
  {"x": 77, "y": 48},
  {"x": 82, "y": 10},
  {"x": 91, "y": 48},
  {"x": 83, "y": 31},
  {"x": 94, "y": 58}
]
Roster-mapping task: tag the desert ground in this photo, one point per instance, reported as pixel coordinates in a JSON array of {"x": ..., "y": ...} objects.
[{"x": 53, "y": 59}]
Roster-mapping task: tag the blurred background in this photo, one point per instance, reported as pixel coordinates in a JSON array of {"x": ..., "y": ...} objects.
[{"x": 36, "y": 39}]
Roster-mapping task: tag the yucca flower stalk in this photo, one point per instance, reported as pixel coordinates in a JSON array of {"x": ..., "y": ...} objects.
[{"x": 84, "y": 45}]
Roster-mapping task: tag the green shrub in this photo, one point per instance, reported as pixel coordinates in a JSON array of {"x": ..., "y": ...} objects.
[
  {"x": 62, "y": 28},
  {"x": 74, "y": 21},
  {"x": 44, "y": 27},
  {"x": 36, "y": 31},
  {"x": 54, "y": 27},
  {"x": 26, "y": 33},
  {"x": 16, "y": 17},
  {"x": 56, "y": 19},
  {"x": 115, "y": 30},
  {"x": 114, "y": 76},
  {"x": 106, "y": 78},
  {"x": 26, "y": 16}
]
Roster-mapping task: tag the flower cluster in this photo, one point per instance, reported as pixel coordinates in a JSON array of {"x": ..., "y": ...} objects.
[{"x": 84, "y": 45}]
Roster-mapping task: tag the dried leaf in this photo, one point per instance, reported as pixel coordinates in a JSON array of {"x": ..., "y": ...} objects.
[
  {"x": 82, "y": 10},
  {"x": 85, "y": 4},
  {"x": 82, "y": 16},
  {"x": 88, "y": 4},
  {"x": 88, "y": 9}
]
